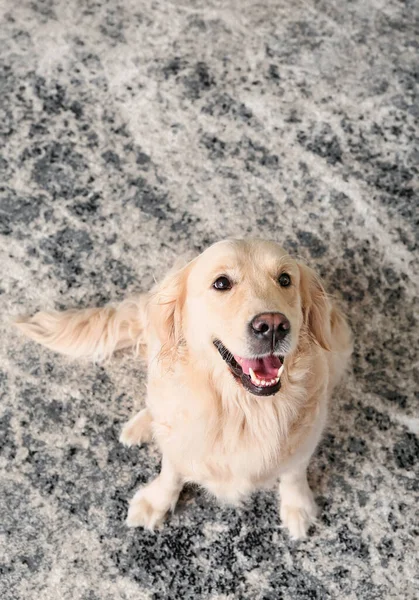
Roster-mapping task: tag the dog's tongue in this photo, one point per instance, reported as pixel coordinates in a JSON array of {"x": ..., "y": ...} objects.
[{"x": 265, "y": 368}]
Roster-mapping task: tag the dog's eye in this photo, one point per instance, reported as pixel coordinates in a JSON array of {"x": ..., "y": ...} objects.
[
  {"x": 222, "y": 284},
  {"x": 284, "y": 280}
]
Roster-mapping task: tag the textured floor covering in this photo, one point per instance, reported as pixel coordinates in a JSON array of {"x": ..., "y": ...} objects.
[{"x": 133, "y": 131}]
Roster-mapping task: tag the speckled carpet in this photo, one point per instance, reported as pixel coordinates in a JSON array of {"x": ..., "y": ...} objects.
[{"x": 136, "y": 130}]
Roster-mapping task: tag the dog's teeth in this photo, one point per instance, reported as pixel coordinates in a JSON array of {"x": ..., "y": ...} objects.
[
  {"x": 264, "y": 382},
  {"x": 281, "y": 368},
  {"x": 253, "y": 377}
]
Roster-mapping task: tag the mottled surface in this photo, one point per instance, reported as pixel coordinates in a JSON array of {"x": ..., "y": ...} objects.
[{"x": 132, "y": 131}]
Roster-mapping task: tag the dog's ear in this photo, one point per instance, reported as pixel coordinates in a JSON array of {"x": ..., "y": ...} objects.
[
  {"x": 316, "y": 307},
  {"x": 165, "y": 307}
]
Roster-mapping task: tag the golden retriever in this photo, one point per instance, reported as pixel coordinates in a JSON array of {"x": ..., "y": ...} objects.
[{"x": 243, "y": 348}]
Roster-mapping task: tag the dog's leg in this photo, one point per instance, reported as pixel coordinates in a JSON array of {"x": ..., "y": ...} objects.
[
  {"x": 150, "y": 504},
  {"x": 137, "y": 430},
  {"x": 298, "y": 509}
]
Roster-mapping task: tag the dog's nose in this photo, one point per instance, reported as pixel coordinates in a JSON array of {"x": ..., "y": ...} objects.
[{"x": 273, "y": 326}]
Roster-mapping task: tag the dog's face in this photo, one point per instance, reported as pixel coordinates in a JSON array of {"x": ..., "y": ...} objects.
[{"x": 245, "y": 302}]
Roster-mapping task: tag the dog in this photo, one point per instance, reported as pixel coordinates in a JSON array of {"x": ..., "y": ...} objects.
[{"x": 244, "y": 348}]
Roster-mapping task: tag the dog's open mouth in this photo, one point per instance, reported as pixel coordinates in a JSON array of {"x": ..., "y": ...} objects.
[{"x": 260, "y": 376}]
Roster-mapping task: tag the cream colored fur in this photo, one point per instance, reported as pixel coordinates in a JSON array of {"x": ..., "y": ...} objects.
[{"x": 209, "y": 429}]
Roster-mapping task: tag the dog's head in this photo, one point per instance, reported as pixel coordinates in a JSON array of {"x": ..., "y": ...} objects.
[{"x": 246, "y": 303}]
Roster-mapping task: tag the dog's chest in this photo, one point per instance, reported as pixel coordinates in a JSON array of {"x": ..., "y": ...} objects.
[
  {"x": 230, "y": 453},
  {"x": 240, "y": 461},
  {"x": 229, "y": 445}
]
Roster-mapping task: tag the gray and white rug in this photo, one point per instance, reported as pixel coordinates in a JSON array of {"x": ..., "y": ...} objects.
[{"x": 133, "y": 131}]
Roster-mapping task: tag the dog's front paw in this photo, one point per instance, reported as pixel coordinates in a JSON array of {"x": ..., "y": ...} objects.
[
  {"x": 298, "y": 509},
  {"x": 298, "y": 519},
  {"x": 137, "y": 430},
  {"x": 142, "y": 513},
  {"x": 146, "y": 509}
]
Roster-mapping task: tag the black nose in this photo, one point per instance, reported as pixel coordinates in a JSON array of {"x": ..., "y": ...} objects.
[{"x": 271, "y": 326}]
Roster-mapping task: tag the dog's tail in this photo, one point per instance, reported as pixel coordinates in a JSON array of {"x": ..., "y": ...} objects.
[{"x": 93, "y": 333}]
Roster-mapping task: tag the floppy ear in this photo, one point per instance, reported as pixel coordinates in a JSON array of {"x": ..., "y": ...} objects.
[
  {"x": 165, "y": 308},
  {"x": 316, "y": 307}
]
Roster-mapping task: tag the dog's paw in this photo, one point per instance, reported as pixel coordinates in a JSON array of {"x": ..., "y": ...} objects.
[
  {"x": 143, "y": 512},
  {"x": 298, "y": 509},
  {"x": 138, "y": 429},
  {"x": 298, "y": 520}
]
